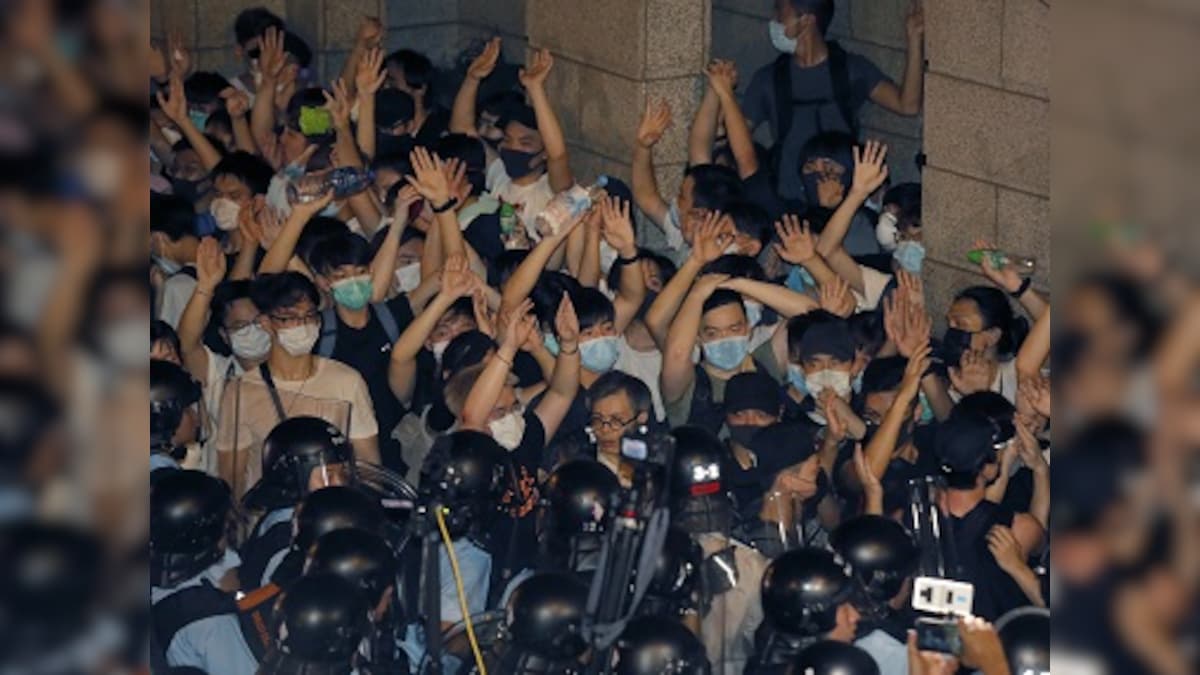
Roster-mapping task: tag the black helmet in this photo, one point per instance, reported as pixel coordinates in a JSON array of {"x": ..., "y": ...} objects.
[
  {"x": 357, "y": 556},
  {"x": 578, "y": 500},
  {"x": 834, "y": 658},
  {"x": 51, "y": 582},
  {"x": 1025, "y": 634},
  {"x": 293, "y": 449},
  {"x": 654, "y": 645},
  {"x": 464, "y": 471},
  {"x": 698, "y": 500},
  {"x": 881, "y": 554},
  {"x": 335, "y": 508},
  {"x": 172, "y": 390},
  {"x": 677, "y": 566},
  {"x": 544, "y": 616},
  {"x": 322, "y": 619},
  {"x": 802, "y": 590},
  {"x": 188, "y": 514}
]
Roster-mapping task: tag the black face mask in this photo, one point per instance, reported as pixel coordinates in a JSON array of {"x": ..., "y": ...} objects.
[
  {"x": 954, "y": 343},
  {"x": 518, "y": 164},
  {"x": 390, "y": 145},
  {"x": 742, "y": 434},
  {"x": 191, "y": 190}
]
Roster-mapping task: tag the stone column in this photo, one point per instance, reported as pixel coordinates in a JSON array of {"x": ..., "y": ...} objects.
[
  {"x": 987, "y": 137},
  {"x": 609, "y": 57}
]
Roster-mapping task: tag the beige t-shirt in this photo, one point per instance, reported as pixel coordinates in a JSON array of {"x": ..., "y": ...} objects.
[
  {"x": 335, "y": 393},
  {"x": 728, "y": 629}
]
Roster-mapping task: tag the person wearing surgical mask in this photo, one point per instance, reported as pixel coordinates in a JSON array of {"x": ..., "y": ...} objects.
[
  {"x": 173, "y": 245},
  {"x": 825, "y": 355},
  {"x": 118, "y": 329},
  {"x": 303, "y": 383},
  {"x": 239, "y": 186}
]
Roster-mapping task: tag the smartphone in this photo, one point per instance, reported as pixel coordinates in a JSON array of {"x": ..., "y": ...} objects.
[{"x": 938, "y": 635}]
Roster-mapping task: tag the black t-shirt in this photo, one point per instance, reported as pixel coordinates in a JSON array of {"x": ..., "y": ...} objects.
[
  {"x": 369, "y": 351},
  {"x": 995, "y": 591},
  {"x": 513, "y": 538},
  {"x": 437, "y": 123}
]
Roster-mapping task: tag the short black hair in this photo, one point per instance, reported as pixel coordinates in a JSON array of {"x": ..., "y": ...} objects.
[
  {"x": 592, "y": 307},
  {"x": 798, "y": 325},
  {"x": 618, "y": 382},
  {"x": 247, "y": 168},
  {"x": 253, "y": 23},
  {"x": 418, "y": 70},
  {"x": 344, "y": 248},
  {"x": 521, "y": 113},
  {"x": 225, "y": 294},
  {"x": 204, "y": 87},
  {"x": 161, "y": 330},
  {"x": 751, "y": 220},
  {"x": 498, "y": 103},
  {"x": 834, "y": 145},
  {"x": 172, "y": 215},
  {"x": 271, "y": 292},
  {"x": 722, "y": 297},
  {"x": 822, "y": 9},
  {"x": 868, "y": 332},
  {"x": 316, "y": 232},
  {"x": 297, "y": 48},
  {"x": 714, "y": 185},
  {"x": 393, "y": 107},
  {"x": 997, "y": 312},
  {"x": 884, "y": 374},
  {"x": 470, "y": 151},
  {"x": 547, "y": 295},
  {"x": 735, "y": 265},
  {"x": 506, "y": 265},
  {"x": 666, "y": 268}
]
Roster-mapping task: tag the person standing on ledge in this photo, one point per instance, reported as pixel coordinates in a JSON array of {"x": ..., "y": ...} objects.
[{"x": 816, "y": 86}]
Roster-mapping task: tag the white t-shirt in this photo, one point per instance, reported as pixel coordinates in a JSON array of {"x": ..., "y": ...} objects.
[
  {"x": 177, "y": 290},
  {"x": 1005, "y": 383},
  {"x": 646, "y": 366},
  {"x": 874, "y": 283},
  {"x": 221, "y": 369},
  {"x": 529, "y": 200}
]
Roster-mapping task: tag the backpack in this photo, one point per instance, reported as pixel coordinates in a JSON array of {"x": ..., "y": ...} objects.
[
  {"x": 785, "y": 103},
  {"x": 329, "y": 324}
]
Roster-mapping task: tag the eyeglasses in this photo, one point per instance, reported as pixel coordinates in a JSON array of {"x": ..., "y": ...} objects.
[
  {"x": 236, "y": 326},
  {"x": 611, "y": 423},
  {"x": 295, "y": 320}
]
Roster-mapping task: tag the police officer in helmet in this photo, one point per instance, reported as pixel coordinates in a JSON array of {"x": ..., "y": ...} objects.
[
  {"x": 829, "y": 657},
  {"x": 543, "y": 630},
  {"x": 1025, "y": 634},
  {"x": 676, "y": 589},
  {"x": 806, "y": 596},
  {"x": 322, "y": 622},
  {"x": 326, "y": 510},
  {"x": 175, "y": 417},
  {"x": 650, "y": 645}
]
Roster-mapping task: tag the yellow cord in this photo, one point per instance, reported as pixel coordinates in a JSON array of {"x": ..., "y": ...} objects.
[{"x": 462, "y": 594}]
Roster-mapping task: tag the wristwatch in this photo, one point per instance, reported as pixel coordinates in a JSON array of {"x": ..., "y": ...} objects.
[
  {"x": 450, "y": 203},
  {"x": 1025, "y": 284}
]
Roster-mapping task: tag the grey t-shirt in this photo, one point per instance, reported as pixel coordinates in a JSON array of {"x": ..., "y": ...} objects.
[{"x": 814, "y": 109}]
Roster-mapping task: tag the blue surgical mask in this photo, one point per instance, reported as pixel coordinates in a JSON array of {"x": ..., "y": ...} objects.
[
  {"x": 754, "y": 312},
  {"x": 169, "y": 267},
  {"x": 800, "y": 280},
  {"x": 198, "y": 117},
  {"x": 551, "y": 342},
  {"x": 856, "y": 383},
  {"x": 727, "y": 353},
  {"x": 796, "y": 378},
  {"x": 910, "y": 255},
  {"x": 599, "y": 355},
  {"x": 779, "y": 39},
  {"x": 926, "y": 409},
  {"x": 353, "y": 293}
]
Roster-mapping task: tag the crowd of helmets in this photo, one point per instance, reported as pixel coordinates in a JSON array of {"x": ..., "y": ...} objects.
[{"x": 421, "y": 403}]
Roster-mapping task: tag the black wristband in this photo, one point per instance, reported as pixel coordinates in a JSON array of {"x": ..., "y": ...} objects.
[
  {"x": 1025, "y": 284},
  {"x": 628, "y": 261},
  {"x": 449, "y": 204}
]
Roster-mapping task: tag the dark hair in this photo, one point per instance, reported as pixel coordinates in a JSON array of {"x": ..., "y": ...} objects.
[
  {"x": 996, "y": 312},
  {"x": 713, "y": 185},
  {"x": 506, "y": 265},
  {"x": 798, "y": 325},
  {"x": 619, "y": 382},
  {"x": 254, "y": 22},
  {"x": 521, "y": 113},
  {"x": 883, "y": 374},
  {"x": 393, "y": 107},
  {"x": 161, "y": 330},
  {"x": 398, "y": 163},
  {"x": 462, "y": 352},
  {"x": 133, "y": 116},
  {"x": 344, "y": 248},
  {"x": 469, "y": 150},
  {"x": 221, "y": 119},
  {"x": 751, "y": 220},
  {"x": 499, "y": 102},
  {"x": 247, "y": 168},
  {"x": 821, "y": 9},
  {"x": 835, "y": 145},
  {"x": 722, "y": 297},
  {"x": 316, "y": 231},
  {"x": 547, "y": 295},
  {"x": 988, "y": 404},
  {"x": 1131, "y": 305},
  {"x": 271, "y": 292},
  {"x": 172, "y": 215},
  {"x": 741, "y": 266},
  {"x": 592, "y": 307},
  {"x": 297, "y": 48},
  {"x": 204, "y": 87},
  {"x": 903, "y": 195},
  {"x": 225, "y": 294},
  {"x": 868, "y": 332},
  {"x": 418, "y": 70},
  {"x": 666, "y": 268}
]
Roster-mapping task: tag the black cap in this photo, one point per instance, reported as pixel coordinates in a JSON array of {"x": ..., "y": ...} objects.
[
  {"x": 964, "y": 443},
  {"x": 393, "y": 107},
  {"x": 830, "y": 337},
  {"x": 782, "y": 445},
  {"x": 753, "y": 391}
]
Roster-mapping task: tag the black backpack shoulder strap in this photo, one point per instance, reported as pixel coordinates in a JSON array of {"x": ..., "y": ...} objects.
[
  {"x": 187, "y": 271},
  {"x": 839, "y": 75},
  {"x": 265, "y": 373},
  {"x": 185, "y": 607},
  {"x": 388, "y": 319},
  {"x": 781, "y": 74}
]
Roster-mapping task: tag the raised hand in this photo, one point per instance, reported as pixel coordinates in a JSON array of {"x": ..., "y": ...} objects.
[
  {"x": 972, "y": 374},
  {"x": 797, "y": 243},
  {"x": 456, "y": 176},
  {"x": 429, "y": 177},
  {"x": 981, "y": 646},
  {"x": 306, "y": 211},
  {"x": 866, "y": 478},
  {"x": 918, "y": 365},
  {"x": 210, "y": 264},
  {"x": 483, "y": 317},
  {"x": 617, "y": 226},
  {"x": 179, "y": 58},
  {"x": 537, "y": 69},
  {"x": 910, "y": 287},
  {"x": 1029, "y": 450},
  {"x": 907, "y": 325},
  {"x": 370, "y": 32},
  {"x": 722, "y": 76},
  {"x": 237, "y": 102},
  {"x": 870, "y": 168},
  {"x": 835, "y": 428},
  {"x": 175, "y": 104},
  {"x": 836, "y": 298},
  {"x": 518, "y": 324},
  {"x": 566, "y": 324},
  {"x": 457, "y": 279},
  {"x": 485, "y": 63},
  {"x": 371, "y": 74},
  {"x": 1006, "y": 278},
  {"x": 708, "y": 283},
  {"x": 914, "y": 23},
  {"x": 1034, "y": 392},
  {"x": 655, "y": 121},
  {"x": 339, "y": 104},
  {"x": 712, "y": 238},
  {"x": 272, "y": 58},
  {"x": 405, "y": 198}
]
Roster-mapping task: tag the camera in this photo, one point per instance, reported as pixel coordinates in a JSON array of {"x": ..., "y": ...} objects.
[{"x": 648, "y": 447}]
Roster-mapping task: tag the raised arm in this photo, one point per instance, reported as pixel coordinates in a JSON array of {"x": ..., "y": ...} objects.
[
  {"x": 533, "y": 77},
  {"x": 210, "y": 270},
  {"x": 1036, "y": 348},
  {"x": 655, "y": 122},
  {"x": 483, "y": 396},
  {"x": 457, "y": 281},
  {"x": 617, "y": 229},
  {"x": 711, "y": 239},
  {"x": 284, "y": 246},
  {"x": 906, "y": 99},
  {"x": 1008, "y": 280},
  {"x": 883, "y": 444},
  {"x": 432, "y": 181},
  {"x": 870, "y": 171},
  {"x": 368, "y": 39},
  {"x": 677, "y": 371},
  {"x": 462, "y": 115},
  {"x": 785, "y": 301},
  {"x": 175, "y": 107},
  {"x": 521, "y": 284},
  {"x": 722, "y": 78},
  {"x": 262, "y": 115},
  {"x": 368, "y": 79},
  {"x": 383, "y": 265},
  {"x": 237, "y": 104},
  {"x": 704, "y": 126},
  {"x": 564, "y": 384}
]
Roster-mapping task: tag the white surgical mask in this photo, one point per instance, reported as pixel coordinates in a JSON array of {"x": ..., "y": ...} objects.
[
  {"x": 886, "y": 232},
  {"x": 250, "y": 342},
  {"x": 779, "y": 38},
  {"x": 408, "y": 277},
  {"x": 299, "y": 340},
  {"x": 837, "y": 380},
  {"x": 732, "y": 249},
  {"x": 226, "y": 212},
  {"x": 508, "y": 430}
]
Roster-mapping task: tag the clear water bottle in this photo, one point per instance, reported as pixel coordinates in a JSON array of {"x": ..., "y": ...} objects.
[
  {"x": 1023, "y": 264},
  {"x": 345, "y": 182},
  {"x": 569, "y": 205}
]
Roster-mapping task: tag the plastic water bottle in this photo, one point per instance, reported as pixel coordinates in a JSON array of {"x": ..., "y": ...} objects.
[
  {"x": 1023, "y": 264},
  {"x": 345, "y": 182},
  {"x": 568, "y": 205}
]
